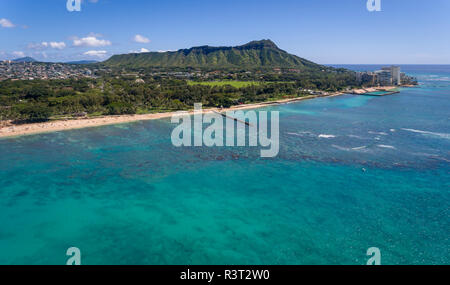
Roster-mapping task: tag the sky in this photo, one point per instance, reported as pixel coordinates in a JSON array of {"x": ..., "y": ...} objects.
[{"x": 324, "y": 31}]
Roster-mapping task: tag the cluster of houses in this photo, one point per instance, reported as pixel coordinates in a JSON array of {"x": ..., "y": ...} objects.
[
  {"x": 32, "y": 70},
  {"x": 386, "y": 76},
  {"x": 188, "y": 75}
]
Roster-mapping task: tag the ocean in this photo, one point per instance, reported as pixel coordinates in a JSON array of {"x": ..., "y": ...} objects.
[{"x": 353, "y": 172}]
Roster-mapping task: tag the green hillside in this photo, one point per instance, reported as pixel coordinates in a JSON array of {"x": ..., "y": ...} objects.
[{"x": 256, "y": 54}]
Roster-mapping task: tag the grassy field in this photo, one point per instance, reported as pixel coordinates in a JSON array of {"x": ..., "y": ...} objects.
[{"x": 236, "y": 84}]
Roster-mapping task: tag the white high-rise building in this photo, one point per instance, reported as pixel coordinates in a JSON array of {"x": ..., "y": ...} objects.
[{"x": 396, "y": 75}]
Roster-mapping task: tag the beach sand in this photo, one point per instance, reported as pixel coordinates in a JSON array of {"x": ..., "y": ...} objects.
[
  {"x": 7, "y": 129},
  {"x": 375, "y": 89}
]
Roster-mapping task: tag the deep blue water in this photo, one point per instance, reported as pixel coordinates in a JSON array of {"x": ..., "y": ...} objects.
[{"x": 124, "y": 195}]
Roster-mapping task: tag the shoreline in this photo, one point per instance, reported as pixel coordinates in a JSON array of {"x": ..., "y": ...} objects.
[
  {"x": 363, "y": 91},
  {"x": 11, "y": 130}
]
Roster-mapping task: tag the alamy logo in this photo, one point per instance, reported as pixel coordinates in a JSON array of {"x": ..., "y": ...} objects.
[
  {"x": 374, "y": 5},
  {"x": 75, "y": 256},
  {"x": 375, "y": 256},
  {"x": 73, "y": 5},
  {"x": 213, "y": 135}
]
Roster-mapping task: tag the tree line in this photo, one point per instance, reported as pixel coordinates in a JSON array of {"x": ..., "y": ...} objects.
[{"x": 38, "y": 100}]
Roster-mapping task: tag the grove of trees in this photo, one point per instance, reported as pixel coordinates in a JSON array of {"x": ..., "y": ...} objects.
[{"x": 39, "y": 100}]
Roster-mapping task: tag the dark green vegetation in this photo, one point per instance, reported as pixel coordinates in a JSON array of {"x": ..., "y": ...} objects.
[
  {"x": 141, "y": 84},
  {"x": 39, "y": 100},
  {"x": 256, "y": 54},
  {"x": 235, "y": 84}
]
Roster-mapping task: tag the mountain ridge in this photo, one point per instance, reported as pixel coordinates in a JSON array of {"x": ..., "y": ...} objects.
[
  {"x": 255, "y": 54},
  {"x": 24, "y": 59}
]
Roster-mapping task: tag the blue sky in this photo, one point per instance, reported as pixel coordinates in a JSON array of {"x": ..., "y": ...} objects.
[{"x": 325, "y": 31}]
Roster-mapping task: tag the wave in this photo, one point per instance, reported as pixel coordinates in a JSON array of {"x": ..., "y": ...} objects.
[
  {"x": 441, "y": 135},
  {"x": 433, "y": 78},
  {"x": 439, "y": 79},
  {"x": 432, "y": 156},
  {"x": 357, "y": 137},
  {"x": 301, "y": 134},
  {"x": 441, "y": 158},
  {"x": 359, "y": 148},
  {"x": 327, "y": 136},
  {"x": 341, "y": 147},
  {"x": 310, "y": 134},
  {"x": 378, "y": 133},
  {"x": 348, "y": 148},
  {"x": 386, "y": 146},
  {"x": 423, "y": 154}
]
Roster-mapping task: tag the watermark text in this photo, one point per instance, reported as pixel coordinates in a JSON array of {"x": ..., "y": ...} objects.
[
  {"x": 191, "y": 132},
  {"x": 73, "y": 5},
  {"x": 374, "y": 5}
]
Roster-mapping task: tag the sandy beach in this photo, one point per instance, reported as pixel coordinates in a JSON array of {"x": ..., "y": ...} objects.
[
  {"x": 7, "y": 129},
  {"x": 374, "y": 89}
]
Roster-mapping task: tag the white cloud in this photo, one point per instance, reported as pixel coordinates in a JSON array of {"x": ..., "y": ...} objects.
[
  {"x": 5, "y": 23},
  {"x": 97, "y": 35},
  {"x": 90, "y": 41},
  {"x": 35, "y": 46},
  {"x": 96, "y": 53},
  {"x": 142, "y": 50},
  {"x": 44, "y": 45},
  {"x": 18, "y": 53},
  {"x": 141, "y": 39},
  {"x": 56, "y": 45}
]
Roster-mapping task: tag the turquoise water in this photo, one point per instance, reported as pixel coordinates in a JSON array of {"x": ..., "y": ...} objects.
[
  {"x": 378, "y": 93},
  {"x": 124, "y": 195}
]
